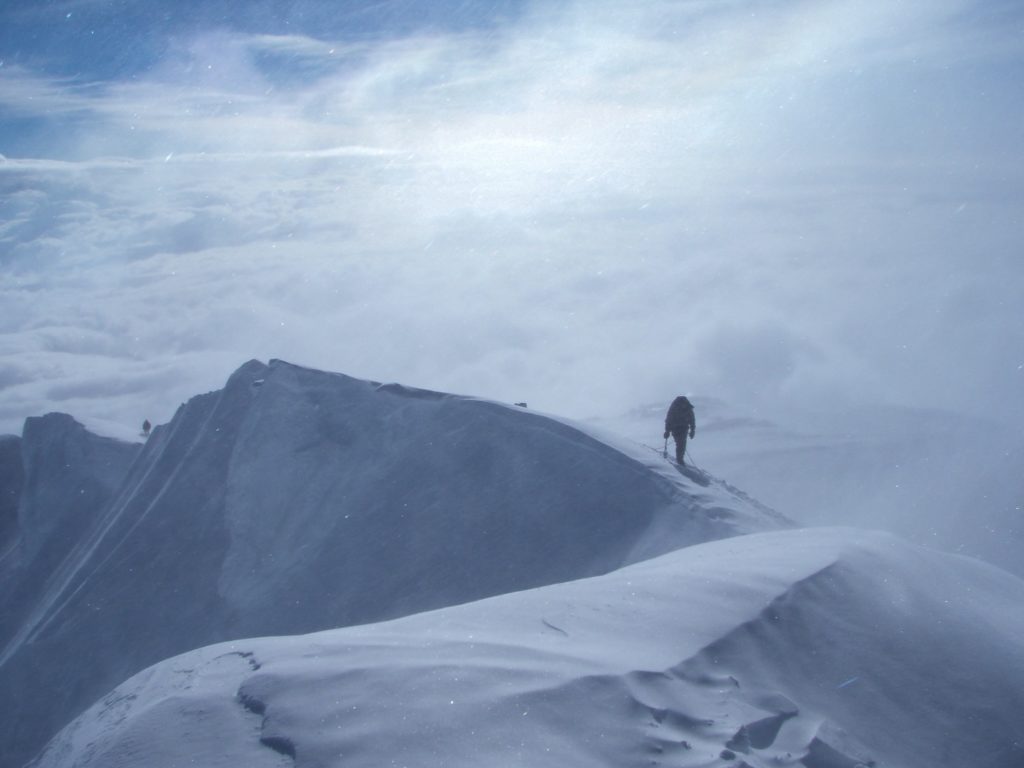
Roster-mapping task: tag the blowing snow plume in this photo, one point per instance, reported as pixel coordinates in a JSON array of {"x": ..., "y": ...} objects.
[{"x": 295, "y": 500}]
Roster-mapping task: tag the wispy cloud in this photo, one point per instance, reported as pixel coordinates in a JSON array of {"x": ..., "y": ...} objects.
[{"x": 24, "y": 94}]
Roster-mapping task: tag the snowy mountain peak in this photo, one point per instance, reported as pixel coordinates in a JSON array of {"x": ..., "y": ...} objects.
[
  {"x": 68, "y": 475},
  {"x": 295, "y": 500}
]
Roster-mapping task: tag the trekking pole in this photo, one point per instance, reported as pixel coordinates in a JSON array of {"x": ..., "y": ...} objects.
[{"x": 664, "y": 451}]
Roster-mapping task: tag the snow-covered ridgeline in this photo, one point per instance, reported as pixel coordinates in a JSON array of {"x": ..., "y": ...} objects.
[
  {"x": 937, "y": 478},
  {"x": 825, "y": 648},
  {"x": 295, "y": 500}
]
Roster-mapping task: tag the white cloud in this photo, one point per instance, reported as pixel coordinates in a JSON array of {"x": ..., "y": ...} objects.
[
  {"x": 24, "y": 94},
  {"x": 572, "y": 211}
]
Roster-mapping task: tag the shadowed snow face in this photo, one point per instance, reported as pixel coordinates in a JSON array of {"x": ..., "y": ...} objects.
[{"x": 580, "y": 205}]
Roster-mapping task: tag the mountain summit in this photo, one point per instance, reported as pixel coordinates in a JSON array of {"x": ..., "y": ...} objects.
[{"x": 295, "y": 500}]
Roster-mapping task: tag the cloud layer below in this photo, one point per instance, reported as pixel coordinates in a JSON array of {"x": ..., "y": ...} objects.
[{"x": 586, "y": 207}]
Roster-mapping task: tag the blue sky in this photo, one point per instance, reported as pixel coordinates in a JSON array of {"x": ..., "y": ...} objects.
[
  {"x": 583, "y": 205},
  {"x": 90, "y": 42}
]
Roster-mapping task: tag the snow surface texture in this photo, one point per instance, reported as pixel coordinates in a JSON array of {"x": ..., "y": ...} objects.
[
  {"x": 295, "y": 500},
  {"x": 822, "y": 648}
]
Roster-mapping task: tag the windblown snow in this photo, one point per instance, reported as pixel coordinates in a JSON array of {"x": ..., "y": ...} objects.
[{"x": 295, "y": 500}]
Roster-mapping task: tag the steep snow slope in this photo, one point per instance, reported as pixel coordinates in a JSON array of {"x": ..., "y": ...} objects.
[
  {"x": 823, "y": 648},
  {"x": 12, "y": 479},
  {"x": 295, "y": 500},
  {"x": 69, "y": 474},
  {"x": 54, "y": 482}
]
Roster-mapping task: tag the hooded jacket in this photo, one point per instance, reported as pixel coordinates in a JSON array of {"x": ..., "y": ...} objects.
[{"x": 680, "y": 417}]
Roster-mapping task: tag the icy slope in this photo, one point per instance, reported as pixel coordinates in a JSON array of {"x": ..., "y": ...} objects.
[
  {"x": 295, "y": 500},
  {"x": 825, "y": 648}
]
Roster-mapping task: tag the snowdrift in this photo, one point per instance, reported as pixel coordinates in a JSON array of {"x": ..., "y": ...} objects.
[
  {"x": 295, "y": 500},
  {"x": 825, "y": 648}
]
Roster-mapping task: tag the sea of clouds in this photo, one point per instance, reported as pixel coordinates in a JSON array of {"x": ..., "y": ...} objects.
[{"x": 582, "y": 205}]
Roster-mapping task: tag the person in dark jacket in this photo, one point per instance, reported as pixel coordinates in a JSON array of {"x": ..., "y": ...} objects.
[{"x": 681, "y": 423}]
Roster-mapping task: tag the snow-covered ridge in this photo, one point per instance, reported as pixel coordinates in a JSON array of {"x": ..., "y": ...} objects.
[
  {"x": 826, "y": 648},
  {"x": 296, "y": 500},
  {"x": 939, "y": 479}
]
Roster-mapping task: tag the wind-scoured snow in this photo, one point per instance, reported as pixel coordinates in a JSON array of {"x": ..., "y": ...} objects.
[
  {"x": 296, "y": 500},
  {"x": 822, "y": 648}
]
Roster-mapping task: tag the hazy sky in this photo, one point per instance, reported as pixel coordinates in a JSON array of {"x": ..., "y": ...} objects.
[{"x": 585, "y": 205}]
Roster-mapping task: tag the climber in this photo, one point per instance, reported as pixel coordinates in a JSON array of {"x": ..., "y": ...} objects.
[{"x": 680, "y": 422}]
